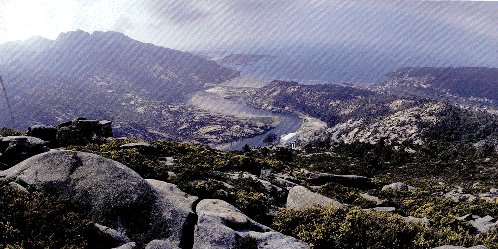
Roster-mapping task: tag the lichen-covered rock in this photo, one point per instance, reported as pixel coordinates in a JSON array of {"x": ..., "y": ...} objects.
[
  {"x": 300, "y": 198},
  {"x": 112, "y": 194},
  {"x": 398, "y": 186},
  {"x": 221, "y": 225},
  {"x": 161, "y": 244},
  {"x": 460, "y": 247},
  {"x": 176, "y": 207},
  {"x": 141, "y": 146}
]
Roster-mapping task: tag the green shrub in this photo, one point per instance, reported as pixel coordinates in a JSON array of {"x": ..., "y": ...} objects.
[
  {"x": 319, "y": 227},
  {"x": 332, "y": 227},
  {"x": 364, "y": 229},
  {"x": 253, "y": 204},
  {"x": 206, "y": 189},
  {"x": 147, "y": 166},
  {"x": 4, "y": 132},
  {"x": 38, "y": 220}
]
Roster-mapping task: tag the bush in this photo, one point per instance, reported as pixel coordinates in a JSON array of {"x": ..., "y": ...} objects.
[
  {"x": 253, "y": 204},
  {"x": 147, "y": 166},
  {"x": 319, "y": 227},
  {"x": 332, "y": 227},
  {"x": 38, "y": 220},
  {"x": 4, "y": 132},
  {"x": 364, "y": 229}
]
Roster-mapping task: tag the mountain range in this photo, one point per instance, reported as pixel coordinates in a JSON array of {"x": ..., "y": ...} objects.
[
  {"x": 103, "y": 75},
  {"x": 144, "y": 89}
]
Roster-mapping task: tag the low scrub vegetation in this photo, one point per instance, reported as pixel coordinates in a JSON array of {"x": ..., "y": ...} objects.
[
  {"x": 38, "y": 220},
  {"x": 333, "y": 227}
]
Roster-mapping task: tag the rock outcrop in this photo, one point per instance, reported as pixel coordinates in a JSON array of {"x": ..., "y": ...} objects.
[
  {"x": 44, "y": 132},
  {"x": 481, "y": 224},
  {"x": 112, "y": 194},
  {"x": 300, "y": 198},
  {"x": 82, "y": 131},
  {"x": 457, "y": 195},
  {"x": 135, "y": 213},
  {"x": 14, "y": 149},
  {"x": 221, "y": 225},
  {"x": 76, "y": 132}
]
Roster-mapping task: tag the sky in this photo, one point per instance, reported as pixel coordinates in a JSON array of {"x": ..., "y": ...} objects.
[{"x": 249, "y": 24}]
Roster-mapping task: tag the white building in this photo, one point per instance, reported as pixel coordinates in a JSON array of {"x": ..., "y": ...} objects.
[{"x": 289, "y": 140}]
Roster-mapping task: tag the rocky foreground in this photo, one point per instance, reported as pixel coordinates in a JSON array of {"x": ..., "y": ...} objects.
[
  {"x": 128, "y": 208},
  {"x": 79, "y": 189}
]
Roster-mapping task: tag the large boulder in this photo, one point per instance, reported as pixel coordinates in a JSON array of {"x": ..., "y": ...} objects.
[
  {"x": 109, "y": 192},
  {"x": 460, "y": 247},
  {"x": 300, "y": 198},
  {"x": 44, "y": 132},
  {"x": 82, "y": 131},
  {"x": 14, "y": 149},
  {"x": 175, "y": 207},
  {"x": 221, "y": 225},
  {"x": 355, "y": 181}
]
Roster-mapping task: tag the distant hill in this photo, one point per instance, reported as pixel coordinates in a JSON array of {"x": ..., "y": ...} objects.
[
  {"x": 359, "y": 115},
  {"x": 103, "y": 75},
  {"x": 466, "y": 86},
  {"x": 330, "y": 103}
]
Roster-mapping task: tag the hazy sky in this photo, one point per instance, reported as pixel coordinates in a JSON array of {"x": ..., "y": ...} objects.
[{"x": 246, "y": 25}]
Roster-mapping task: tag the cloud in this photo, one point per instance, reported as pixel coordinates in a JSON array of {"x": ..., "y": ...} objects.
[{"x": 262, "y": 25}]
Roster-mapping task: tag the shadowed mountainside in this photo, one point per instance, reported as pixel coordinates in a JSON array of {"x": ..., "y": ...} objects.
[{"x": 103, "y": 75}]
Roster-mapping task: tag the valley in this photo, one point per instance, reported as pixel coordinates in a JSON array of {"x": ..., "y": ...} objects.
[
  {"x": 230, "y": 98},
  {"x": 248, "y": 124},
  {"x": 414, "y": 157}
]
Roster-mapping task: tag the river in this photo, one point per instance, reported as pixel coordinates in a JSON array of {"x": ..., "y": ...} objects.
[{"x": 212, "y": 100}]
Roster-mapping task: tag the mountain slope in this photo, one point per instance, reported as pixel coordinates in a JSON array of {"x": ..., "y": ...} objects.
[
  {"x": 475, "y": 87},
  {"x": 360, "y": 115},
  {"x": 103, "y": 75}
]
